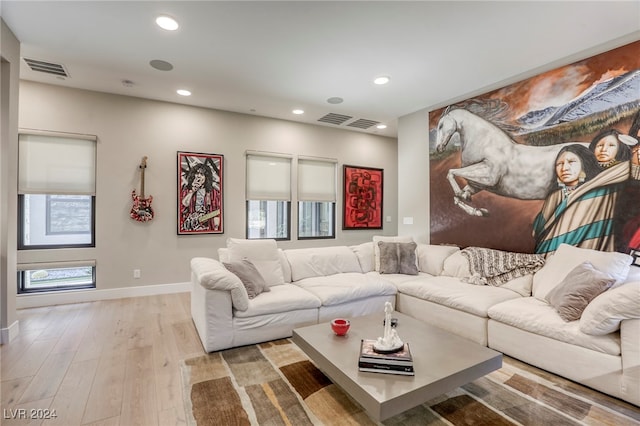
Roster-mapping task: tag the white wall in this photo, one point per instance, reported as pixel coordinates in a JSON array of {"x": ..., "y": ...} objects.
[
  {"x": 413, "y": 176},
  {"x": 9, "y": 77},
  {"x": 129, "y": 128}
]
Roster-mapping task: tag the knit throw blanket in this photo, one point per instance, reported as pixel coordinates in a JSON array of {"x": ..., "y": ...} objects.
[{"x": 496, "y": 267}]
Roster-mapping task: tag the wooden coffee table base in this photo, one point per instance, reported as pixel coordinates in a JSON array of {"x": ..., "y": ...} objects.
[{"x": 442, "y": 362}]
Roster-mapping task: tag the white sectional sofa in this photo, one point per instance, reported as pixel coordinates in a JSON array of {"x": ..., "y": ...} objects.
[{"x": 307, "y": 286}]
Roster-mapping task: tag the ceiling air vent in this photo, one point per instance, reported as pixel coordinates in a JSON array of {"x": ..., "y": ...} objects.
[
  {"x": 48, "y": 67},
  {"x": 336, "y": 119},
  {"x": 363, "y": 123}
]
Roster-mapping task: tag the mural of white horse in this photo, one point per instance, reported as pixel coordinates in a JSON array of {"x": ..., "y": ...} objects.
[{"x": 493, "y": 161}]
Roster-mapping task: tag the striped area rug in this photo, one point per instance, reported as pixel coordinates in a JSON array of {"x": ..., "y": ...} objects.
[{"x": 275, "y": 383}]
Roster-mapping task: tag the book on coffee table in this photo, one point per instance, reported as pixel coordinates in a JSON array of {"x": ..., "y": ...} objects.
[
  {"x": 401, "y": 358},
  {"x": 387, "y": 369}
]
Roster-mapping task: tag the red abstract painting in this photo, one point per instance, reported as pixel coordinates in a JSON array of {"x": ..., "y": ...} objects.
[{"x": 362, "y": 204}]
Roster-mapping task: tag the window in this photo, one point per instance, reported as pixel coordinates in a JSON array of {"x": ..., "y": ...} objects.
[
  {"x": 268, "y": 195},
  {"x": 316, "y": 219},
  {"x": 56, "y": 191},
  {"x": 36, "y": 277},
  {"x": 316, "y": 198}
]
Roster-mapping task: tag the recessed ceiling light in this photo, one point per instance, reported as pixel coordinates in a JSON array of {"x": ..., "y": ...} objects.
[
  {"x": 167, "y": 23},
  {"x": 381, "y": 126},
  {"x": 383, "y": 79},
  {"x": 183, "y": 92},
  {"x": 335, "y": 100},
  {"x": 298, "y": 111}
]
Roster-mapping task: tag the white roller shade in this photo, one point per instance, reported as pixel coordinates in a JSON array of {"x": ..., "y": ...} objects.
[
  {"x": 55, "y": 265},
  {"x": 56, "y": 165},
  {"x": 316, "y": 180},
  {"x": 268, "y": 177}
]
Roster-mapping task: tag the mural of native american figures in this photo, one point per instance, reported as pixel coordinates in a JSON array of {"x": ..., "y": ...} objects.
[{"x": 553, "y": 159}]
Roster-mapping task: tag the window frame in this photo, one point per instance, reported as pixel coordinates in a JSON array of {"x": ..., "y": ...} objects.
[
  {"x": 317, "y": 183},
  {"x": 274, "y": 190},
  {"x": 287, "y": 206},
  {"x": 33, "y": 147},
  {"x": 21, "y": 280},
  {"x": 333, "y": 222},
  {"x": 21, "y": 229}
]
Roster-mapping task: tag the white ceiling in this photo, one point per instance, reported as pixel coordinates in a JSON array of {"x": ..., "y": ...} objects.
[{"x": 267, "y": 58}]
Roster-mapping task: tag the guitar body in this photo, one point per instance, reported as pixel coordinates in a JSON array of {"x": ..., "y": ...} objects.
[{"x": 141, "y": 209}]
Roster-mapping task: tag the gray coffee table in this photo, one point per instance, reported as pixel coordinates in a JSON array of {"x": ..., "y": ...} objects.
[{"x": 442, "y": 362}]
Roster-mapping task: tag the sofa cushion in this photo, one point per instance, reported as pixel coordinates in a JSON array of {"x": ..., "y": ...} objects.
[
  {"x": 249, "y": 275},
  {"x": 345, "y": 287},
  {"x": 364, "y": 252},
  {"x": 376, "y": 250},
  {"x": 537, "y": 316},
  {"x": 604, "y": 314},
  {"x": 281, "y": 298},
  {"x": 398, "y": 258},
  {"x": 567, "y": 257},
  {"x": 212, "y": 275},
  {"x": 431, "y": 257},
  {"x": 451, "y": 292},
  {"x": 322, "y": 261},
  {"x": 262, "y": 253},
  {"x": 578, "y": 288}
]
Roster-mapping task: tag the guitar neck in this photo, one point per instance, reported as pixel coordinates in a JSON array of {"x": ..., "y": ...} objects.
[
  {"x": 143, "y": 166},
  {"x": 142, "y": 182}
]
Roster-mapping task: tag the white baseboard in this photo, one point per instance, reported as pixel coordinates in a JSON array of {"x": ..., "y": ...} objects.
[
  {"x": 35, "y": 300},
  {"x": 9, "y": 333}
]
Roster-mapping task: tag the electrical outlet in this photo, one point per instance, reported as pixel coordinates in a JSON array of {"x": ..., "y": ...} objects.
[{"x": 136, "y": 273}]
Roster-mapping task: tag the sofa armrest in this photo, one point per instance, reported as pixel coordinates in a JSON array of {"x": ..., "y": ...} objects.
[
  {"x": 212, "y": 314},
  {"x": 212, "y": 275},
  {"x": 630, "y": 347}
]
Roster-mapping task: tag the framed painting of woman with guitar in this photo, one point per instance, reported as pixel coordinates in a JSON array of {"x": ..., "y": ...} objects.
[{"x": 200, "y": 193}]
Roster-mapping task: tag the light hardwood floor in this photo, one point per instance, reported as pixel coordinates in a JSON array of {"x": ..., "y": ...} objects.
[{"x": 114, "y": 362}]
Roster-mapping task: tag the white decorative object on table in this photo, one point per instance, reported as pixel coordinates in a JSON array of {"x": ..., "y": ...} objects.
[{"x": 390, "y": 341}]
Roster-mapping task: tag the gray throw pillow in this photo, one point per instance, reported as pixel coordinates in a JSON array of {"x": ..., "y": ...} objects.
[
  {"x": 249, "y": 275},
  {"x": 388, "y": 258},
  {"x": 398, "y": 258},
  {"x": 407, "y": 258},
  {"x": 577, "y": 289}
]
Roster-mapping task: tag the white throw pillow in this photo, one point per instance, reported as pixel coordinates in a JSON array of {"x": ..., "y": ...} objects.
[
  {"x": 431, "y": 257},
  {"x": 364, "y": 252},
  {"x": 456, "y": 265},
  {"x": 376, "y": 249},
  {"x": 262, "y": 253},
  {"x": 567, "y": 257},
  {"x": 604, "y": 314}
]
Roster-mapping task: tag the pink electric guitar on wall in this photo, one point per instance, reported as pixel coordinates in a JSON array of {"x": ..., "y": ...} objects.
[{"x": 141, "y": 210}]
